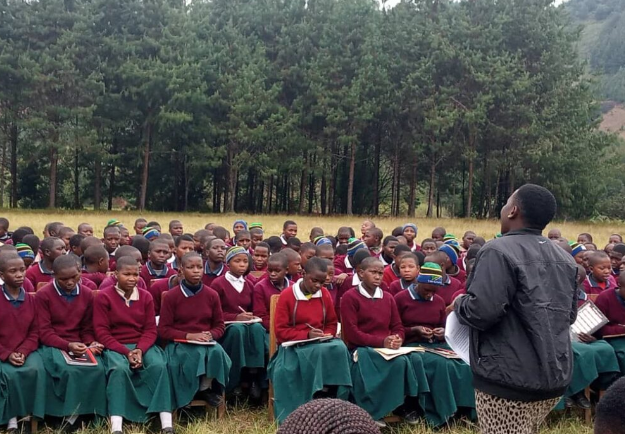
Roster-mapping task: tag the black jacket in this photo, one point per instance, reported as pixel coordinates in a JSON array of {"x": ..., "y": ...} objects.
[{"x": 520, "y": 303}]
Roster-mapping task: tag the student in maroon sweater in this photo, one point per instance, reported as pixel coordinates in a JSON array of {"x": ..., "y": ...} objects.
[
  {"x": 22, "y": 375},
  {"x": 409, "y": 231},
  {"x": 273, "y": 284},
  {"x": 391, "y": 272},
  {"x": 452, "y": 251},
  {"x": 422, "y": 312},
  {"x": 294, "y": 269},
  {"x": 612, "y": 304},
  {"x": 409, "y": 270},
  {"x": 451, "y": 285},
  {"x": 192, "y": 312},
  {"x": 215, "y": 253},
  {"x": 123, "y": 251},
  {"x": 600, "y": 277},
  {"x": 51, "y": 248},
  {"x": 156, "y": 267},
  {"x": 65, "y": 320},
  {"x": 243, "y": 342},
  {"x": 260, "y": 258},
  {"x": 137, "y": 377},
  {"x": 353, "y": 280},
  {"x": 112, "y": 236},
  {"x": 370, "y": 319},
  {"x": 96, "y": 264}
]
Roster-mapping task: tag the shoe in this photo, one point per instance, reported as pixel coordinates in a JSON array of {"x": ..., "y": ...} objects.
[
  {"x": 237, "y": 392},
  {"x": 411, "y": 418},
  {"x": 569, "y": 403},
  {"x": 169, "y": 430},
  {"x": 380, "y": 423},
  {"x": 255, "y": 391},
  {"x": 12, "y": 431},
  {"x": 117, "y": 432},
  {"x": 213, "y": 398},
  {"x": 582, "y": 402}
]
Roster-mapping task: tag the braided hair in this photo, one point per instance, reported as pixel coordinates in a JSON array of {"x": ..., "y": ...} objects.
[{"x": 329, "y": 416}]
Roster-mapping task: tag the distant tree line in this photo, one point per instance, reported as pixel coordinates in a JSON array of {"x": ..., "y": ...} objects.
[{"x": 295, "y": 106}]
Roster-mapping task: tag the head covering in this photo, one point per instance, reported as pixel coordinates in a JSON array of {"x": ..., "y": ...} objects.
[
  {"x": 150, "y": 233},
  {"x": 576, "y": 248},
  {"x": 450, "y": 251},
  {"x": 113, "y": 222},
  {"x": 234, "y": 251},
  {"x": 449, "y": 237},
  {"x": 328, "y": 416},
  {"x": 25, "y": 251},
  {"x": 409, "y": 225},
  {"x": 498, "y": 235},
  {"x": 431, "y": 273},
  {"x": 452, "y": 242},
  {"x": 236, "y": 222},
  {"x": 321, "y": 240},
  {"x": 256, "y": 225},
  {"x": 354, "y": 245}
]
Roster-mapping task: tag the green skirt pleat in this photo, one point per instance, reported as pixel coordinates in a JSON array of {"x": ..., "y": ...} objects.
[
  {"x": 245, "y": 345},
  {"x": 619, "y": 348},
  {"x": 22, "y": 389},
  {"x": 134, "y": 393},
  {"x": 188, "y": 363},
  {"x": 450, "y": 382},
  {"x": 380, "y": 386},
  {"x": 73, "y": 390},
  {"x": 298, "y": 372}
]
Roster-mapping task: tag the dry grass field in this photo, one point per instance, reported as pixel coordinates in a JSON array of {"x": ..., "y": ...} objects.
[{"x": 273, "y": 223}]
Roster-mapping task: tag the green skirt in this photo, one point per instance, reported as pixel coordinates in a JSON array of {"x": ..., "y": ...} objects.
[
  {"x": 619, "y": 348},
  {"x": 298, "y": 372},
  {"x": 451, "y": 385},
  {"x": 73, "y": 390},
  {"x": 245, "y": 345},
  {"x": 134, "y": 393},
  {"x": 22, "y": 389},
  {"x": 380, "y": 386},
  {"x": 187, "y": 363}
]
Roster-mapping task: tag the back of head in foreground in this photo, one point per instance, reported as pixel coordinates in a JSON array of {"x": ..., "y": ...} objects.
[
  {"x": 329, "y": 416},
  {"x": 610, "y": 418}
]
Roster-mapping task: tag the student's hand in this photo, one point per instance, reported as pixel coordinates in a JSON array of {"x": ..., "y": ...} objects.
[
  {"x": 77, "y": 348},
  {"x": 96, "y": 348},
  {"x": 439, "y": 333},
  {"x": 587, "y": 339},
  {"x": 16, "y": 359},
  {"x": 423, "y": 332},
  {"x": 247, "y": 316},
  {"x": 392, "y": 342},
  {"x": 340, "y": 278},
  {"x": 200, "y": 337},
  {"x": 449, "y": 309},
  {"x": 135, "y": 357},
  {"x": 315, "y": 333}
]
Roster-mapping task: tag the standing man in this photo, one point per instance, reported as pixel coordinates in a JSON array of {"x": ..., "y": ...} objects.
[{"x": 519, "y": 305}]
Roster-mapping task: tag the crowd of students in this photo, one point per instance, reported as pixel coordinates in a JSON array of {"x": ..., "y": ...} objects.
[{"x": 180, "y": 316}]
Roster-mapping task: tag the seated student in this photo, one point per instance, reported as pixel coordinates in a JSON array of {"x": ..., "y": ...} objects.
[
  {"x": 452, "y": 250},
  {"x": 151, "y": 233},
  {"x": 410, "y": 233},
  {"x": 293, "y": 243},
  {"x": 74, "y": 246},
  {"x": 315, "y": 233},
  {"x": 364, "y": 227},
  {"x": 609, "y": 415},
  {"x": 175, "y": 228},
  {"x": 51, "y": 248},
  {"x": 467, "y": 239},
  {"x": 18, "y": 235},
  {"x": 423, "y": 316},
  {"x": 391, "y": 273},
  {"x": 172, "y": 247},
  {"x": 612, "y": 304},
  {"x": 344, "y": 235},
  {"x": 65, "y": 321},
  {"x": 137, "y": 378},
  {"x": 294, "y": 269},
  {"x": 156, "y": 267},
  {"x": 96, "y": 264},
  {"x": 330, "y": 283},
  {"x": 616, "y": 258},
  {"x": 155, "y": 225},
  {"x": 343, "y": 263},
  {"x": 183, "y": 244},
  {"x": 428, "y": 246},
  {"x": 353, "y": 280},
  {"x": 111, "y": 238},
  {"x": 214, "y": 255},
  {"x": 584, "y": 238},
  {"x": 5, "y": 235},
  {"x": 370, "y": 320},
  {"x": 139, "y": 225},
  {"x": 200, "y": 238},
  {"x": 438, "y": 233},
  {"x": 244, "y": 239},
  {"x": 124, "y": 251},
  {"x": 408, "y": 265},
  {"x": 244, "y": 343},
  {"x": 52, "y": 229},
  {"x": 26, "y": 253},
  {"x": 305, "y": 311},
  {"x": 450, "y": 285},
  {"x": 124, "y": 236},
  {"x": 615, "y": 239},
  {"x": 22, "y": 374},
  {"x": 85, "y": 229},
  {"x": 272, "y": 284},
  {"x": 600, "y": 274},
  {"x": 289, "y": 230},
  {"x": 260, "y": 259},
  {"x": 257, "y": 236},
  {"x": 192, "y": 311},
  {"x": 65, "y": 233},
  {"x": 238, "y": 226},
  {"x": 577, "y": 251},
  {"x": 306, "y": 252},
  {"x": 554, "y": 234},
  {"x": 373, "y": 239},
  {"x": 387, "y": 255},
  {"x": 275, "y": 244},
  {"x": 325, "y": 250}
]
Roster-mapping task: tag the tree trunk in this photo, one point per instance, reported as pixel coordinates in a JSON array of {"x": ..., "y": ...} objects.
[
  {"x": 412, "y": 202},
  {"x": 187, "y": 182},
  {"x": 470, "y": 181},
  {"x": 333, "y": 176},
  {"x": 2, "y": 172},
  {"x": 146, "y": 166},
  {"x": 97, "y": 187},
  {"x": 394, "y": 182},
  {"x": 269, "y": 194},
  {"x": 302, "y": 185},
  {"x": 376, "y": 173},
  {"x": 324, "y": 188},
  {"x": 14, "y": 138},
  {"x": 231, "y": 184},
  {"x": 54, "y": 163},
  {"x": 177, "y": 173},
  {"x": 76, "y": 181},
  {"x": 112, "y": 182},
  {"x": 431, "y": 193},
  {"x": 350, "y": 180},
  {"x": 311, "y": 187}
]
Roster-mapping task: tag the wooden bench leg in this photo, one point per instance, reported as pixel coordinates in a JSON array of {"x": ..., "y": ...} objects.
[
  {"x": 221, "y": 410},
  {"x": 588, "y": 412},
  {"x": 270, "y": 403},
  {"x": 34, "y": 425}
]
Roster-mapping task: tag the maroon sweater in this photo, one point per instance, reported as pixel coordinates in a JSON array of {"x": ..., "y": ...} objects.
[
  {"x": 608, "y": 302},
  {"x": 116, "y": 324},
  {"x": 308, "y": 312},
  {"x": 195, "y": 314},
  {"x": 18, "y": 333},
  {"x": 36, "y": 276},
  {"x": 367, "y": 322},
  {"x": 389, "y": 275},
  {"x": 150, "y": 279},
  {"x": 62, "y": 322},
  {"x": 96, "y": 278},
  {"x": 207, "y": 279},
  {"x": 262, "y": 299},
  {"x": 339, "y": 265},
  {"x": 396, "y": 287},
  {"x": 231, "y": 299},
  {"x": 447, "y": 291},
  {"x": 156, "y": 289},
  {"x": 424, "y": 313},
  {"x": 460, "y": 275}
]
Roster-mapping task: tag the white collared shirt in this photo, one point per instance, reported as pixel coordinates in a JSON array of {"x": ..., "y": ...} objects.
[
  {"x": 299, "y": 294},
  {"x": 355, "y": 280},
  {"x": 237, "y": 282},
  {"x": 377, "y": 294},
  {"x": 347, "y": 263},
  {"x": 133, "y": 297}
]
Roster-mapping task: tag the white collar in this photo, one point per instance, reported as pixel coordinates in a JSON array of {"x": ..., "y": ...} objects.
[
  {"x": 347, "y": 263},
  {"x": 377, "y": 294},
  {"x": 237, "y": 282},
  {"x": 133, "y": 297},
  {"x": 355, "y": 279},
  {"x": 299, "y": 294}
]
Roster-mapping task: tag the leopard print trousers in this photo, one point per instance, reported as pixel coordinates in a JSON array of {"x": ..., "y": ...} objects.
[{"x": 502, "y": 416}]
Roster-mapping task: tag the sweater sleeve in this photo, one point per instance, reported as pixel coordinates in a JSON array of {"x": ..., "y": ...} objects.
[
  {"x": 228, "y": 316},
  {"x": 217, "y": 327},
  {"x": 397, "y": 328},
  {"x": 102, "y": 325},
  {"x": 260, "y": 308},
  {"x": 86, "y": 326},
  {"x": 331, "y": 319},
  {"x": 349, "y": 320},
  {"x": 44, "y": 318},
  {"x": 31, "y": 276},
  {"x": 166, "y": 328},
  {"x": 603, "y": 302},
  {"x": 148, "y": 338},
  {"x": 284, "y": 329},
  {"x": 31, "y": 343}
]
